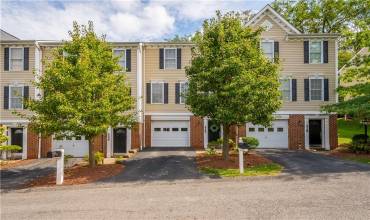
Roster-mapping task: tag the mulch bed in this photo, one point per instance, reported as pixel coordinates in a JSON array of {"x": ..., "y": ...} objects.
[
  {"x": 215, "y": 161},
  {"x": 79, "y": 174},
  {"x": 6, "y": 164}
]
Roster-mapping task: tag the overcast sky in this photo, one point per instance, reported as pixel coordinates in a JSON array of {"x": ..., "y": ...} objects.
[{"x": 124, "y": 20}]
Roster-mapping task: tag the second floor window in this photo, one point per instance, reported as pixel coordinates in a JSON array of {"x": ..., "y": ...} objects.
[
  {"x": 16, "y": 97},
  {"x": 268, "y": 49},
  {"x": 16, "y": 59},
  {"x": 157, "y": 93},
  {"x": 183, "y": 89},
  {"x": 285, "y": 88},
  {"x": 316, "y": 89},
  {"x": 315, "y": 52},
  {"x": 170, "y": 58},
  {"x": 122, "y": 54}
]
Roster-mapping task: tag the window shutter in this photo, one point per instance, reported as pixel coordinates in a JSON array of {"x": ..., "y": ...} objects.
[
  {"x": 26, "y": 94},
  {"x": 6, "y": 59},
  {"x": 161, "y": 58},
  {"x": 276, "y": 51},
  {"x": 26, "y": 59},
  {"x": 326, "y": 89},
  {"x": 306, "y": 90},
  {"x": 165, "y": 93},
  {"x": 130, "y": 91},
  {"x": 326, "y": 48},
  {"x": 178, "y": 58},
  {"x": 6, "y": 97},
  {"x": 294, "y": 90},
  {"x": 148, "y": 93},
  {"x": 128, "y": 60},
  {"x": 177, "y": 93},
  {"x": 306, "y": 51}
]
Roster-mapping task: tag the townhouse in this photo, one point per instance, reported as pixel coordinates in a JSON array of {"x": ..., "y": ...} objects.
[{"x": 156, "y": 74}]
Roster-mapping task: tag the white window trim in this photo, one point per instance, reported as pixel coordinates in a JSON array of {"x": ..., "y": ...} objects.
[
  {"x": 10, "y": 95},
  {"x": 322, "y": 87},
  {"x": 124, "y": 52},
  {"x": 10, "y": 58},
  {"x": 164, "y": 58},
  {"x": 322, "y": 51},
  {"x": 181, "y": 101},
  {"x": 151, "y": 92},
  {"x": 290, "y": 88},
  {"x": 273, "y": 47}
]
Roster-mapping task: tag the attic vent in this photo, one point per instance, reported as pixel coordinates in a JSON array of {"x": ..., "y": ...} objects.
[{"x": 266, "y": 25}]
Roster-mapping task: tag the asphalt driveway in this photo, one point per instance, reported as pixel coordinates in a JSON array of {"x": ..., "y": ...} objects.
[
  {"x": 155, "y": 164},
  {"x": 14, "y": 178},
  {"x": 297, "y": 162}
]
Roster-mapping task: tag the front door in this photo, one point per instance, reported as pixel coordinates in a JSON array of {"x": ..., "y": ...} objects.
[
  {"x": 119, "y": 140},
  {"x": 315, "y": 132},
  {"x": 16, "y": 137},
  {"x": 214, "y": 131}
]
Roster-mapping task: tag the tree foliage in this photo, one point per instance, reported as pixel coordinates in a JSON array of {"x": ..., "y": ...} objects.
[
  {"x": 83, "y": 92},
  {"x": 179, "y": 39},
  {"x": 230, "y": 80}
]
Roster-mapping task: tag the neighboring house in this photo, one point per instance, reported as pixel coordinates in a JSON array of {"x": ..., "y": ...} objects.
[
  {"x": 6, "y": 36},
  {"x": 156, "y": 73}
]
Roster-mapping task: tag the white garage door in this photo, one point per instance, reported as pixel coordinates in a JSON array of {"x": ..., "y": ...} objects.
[
  {"x": 170, "y": 134},
  {"x": 77, "y": 147},
  {"x": 275, "y": 136}
]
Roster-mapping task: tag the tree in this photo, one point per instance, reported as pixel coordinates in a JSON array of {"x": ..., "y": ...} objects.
[
  {"x": 83, "y": 93},
  {"x": 355, "y": 87},
  {"x": 179, "y": 39},
  {"x": 230, "y": 80}
]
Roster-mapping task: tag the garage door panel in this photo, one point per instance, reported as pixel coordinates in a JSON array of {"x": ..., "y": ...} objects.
[
  {"x": 170, "y": 133},
  {"x": 275, "y": 136},
  {"x": 76, "y": 148}
]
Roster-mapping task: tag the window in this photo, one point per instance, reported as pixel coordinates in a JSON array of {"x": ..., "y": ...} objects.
[
  {"x": 16, "y": 97},
  {"x": 157, "y": 93},
  {"x": 166, "y": 129},
  {"x": 268, "y": 49},
  {"x": 175, "y": 129},
  {"x": 183, "y": 89},
  {"x": 157, "y": 129},
  {"x": 315, "y": 51},
  {"x": 285, "y": 88},
  {"x": 316, "y": 89},
  {"x": 280, "y": 129},
  {"x": 261, "y": 129},
  {"x": 184, "y": 129},
  {"x": 16, "y": 59},
  {"x": 270, "y": 129},
  {"x": 170, "y": 58},
  {"x": 251, "y": 129},
  {"x": 121, "y": 53}
]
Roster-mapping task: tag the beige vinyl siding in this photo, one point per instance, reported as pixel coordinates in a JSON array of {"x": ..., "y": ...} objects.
[
  {"x": 153, "y": 73},
  {"x": 292, "y": 65},
  {"x": 16, "y": 77}
]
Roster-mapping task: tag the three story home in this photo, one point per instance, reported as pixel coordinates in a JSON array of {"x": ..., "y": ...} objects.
[{"x": 156, "y": 74}]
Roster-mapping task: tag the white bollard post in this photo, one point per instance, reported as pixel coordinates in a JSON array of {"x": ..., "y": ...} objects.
[
  {"x": 241, "y": 161},
  {"x": 60, "y": 167}
]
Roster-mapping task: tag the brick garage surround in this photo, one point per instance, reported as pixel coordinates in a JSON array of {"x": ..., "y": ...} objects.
[
  {"x": 100, "y": 143},
  {"x": 333, "y": 132},
  {"x": 32, "y": 144},
  {"x": 135, "y": 136},
  {"x": 46, "y": 142},
  {"x": 196, "y": 132},
  {"x": 296, "y": 134},
  {"x": 148, "y": 130}
]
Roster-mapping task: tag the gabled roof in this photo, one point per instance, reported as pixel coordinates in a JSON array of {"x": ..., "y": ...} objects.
[
  {"x": 280, "y": 19},
  {"x": 6, "y": 36},
  {"x": 362, "y": 52}
]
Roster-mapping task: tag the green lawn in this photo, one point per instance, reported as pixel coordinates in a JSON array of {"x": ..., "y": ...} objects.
[
  {"x": 262, "y": 170},
  {"x": 346, "y": 129},
  {"x": 364, "y": 160}
]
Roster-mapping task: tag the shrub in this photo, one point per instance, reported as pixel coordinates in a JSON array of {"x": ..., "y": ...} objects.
[
  {"x": 251, "y": 142},
  {"x": 213, "y": 144},
  {"x": 211, "y": 150},
  {"x": 360, "y": 143},
  {"x": 119, "y": 159},
  {"x": 98, "y": 156},
  {"x": 232, "y": 145},
  {"x": 11, "y": 148},
  {"x": 67, "y": 157}
]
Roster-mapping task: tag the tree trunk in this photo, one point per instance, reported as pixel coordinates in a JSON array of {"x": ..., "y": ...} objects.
[
  {"x": 91, "y": 153},
  {"x": 225, "y": 145},
  {"x": 366, "y": 133}
]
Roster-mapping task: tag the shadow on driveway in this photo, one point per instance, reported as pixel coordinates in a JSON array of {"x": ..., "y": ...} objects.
[
  {"x": 156, "y": 164},
  {"x": 306, "y": 164}
]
